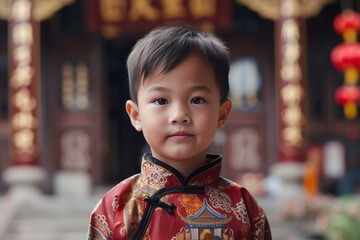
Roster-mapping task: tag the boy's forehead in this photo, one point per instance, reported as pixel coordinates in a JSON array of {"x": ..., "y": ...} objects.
[
  {"x": 166, "y": 66},
  {"x": 193, "y": 71}
]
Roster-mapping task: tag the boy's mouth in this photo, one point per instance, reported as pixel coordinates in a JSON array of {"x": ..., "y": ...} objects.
[{"x": 180, "y": 135}]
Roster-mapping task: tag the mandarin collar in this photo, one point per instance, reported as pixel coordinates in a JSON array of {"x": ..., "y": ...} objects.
[{"x": 160, "y": 175}]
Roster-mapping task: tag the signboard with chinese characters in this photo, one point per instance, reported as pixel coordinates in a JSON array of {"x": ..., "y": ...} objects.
[{"x": 102, "y": 15}]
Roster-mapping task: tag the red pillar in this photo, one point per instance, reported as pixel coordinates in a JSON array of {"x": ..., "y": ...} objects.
[
  {"x": 24, "y": 99},
  {"x": 290, "y": 78}
]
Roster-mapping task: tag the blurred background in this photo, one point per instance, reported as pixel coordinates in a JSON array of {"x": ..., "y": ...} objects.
[{"x": 292, "y": 138}]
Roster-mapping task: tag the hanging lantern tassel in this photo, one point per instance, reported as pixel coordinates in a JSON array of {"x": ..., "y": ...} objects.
[
  {"x": 351, "y": 76},
  {"x": 350, "y": 110}
]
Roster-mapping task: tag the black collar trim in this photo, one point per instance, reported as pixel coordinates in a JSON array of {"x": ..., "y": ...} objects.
[{"x": 214, "y": 160}]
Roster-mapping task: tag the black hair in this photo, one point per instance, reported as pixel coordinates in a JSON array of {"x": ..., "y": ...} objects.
[{"x": 168, "y": 46}]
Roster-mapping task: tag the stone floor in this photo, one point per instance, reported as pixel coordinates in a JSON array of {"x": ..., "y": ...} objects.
[
  {"x": 281, "y": 229},
  {"x": 48, "y": 218}
]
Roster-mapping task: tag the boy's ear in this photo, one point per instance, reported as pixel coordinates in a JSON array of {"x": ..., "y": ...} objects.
[
  {"x": 224, "y": 112},
  {"x": 133, "y": 112}
]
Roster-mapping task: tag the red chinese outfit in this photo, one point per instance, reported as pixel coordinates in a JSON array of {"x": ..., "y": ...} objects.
[{"x": 160, "y": 204}]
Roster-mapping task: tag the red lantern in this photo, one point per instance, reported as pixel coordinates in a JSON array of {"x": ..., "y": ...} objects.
[
  {"x": 346, "y": 55},
  {"x": 347, "y": 94},
  {"x": 347, "y": 21}
]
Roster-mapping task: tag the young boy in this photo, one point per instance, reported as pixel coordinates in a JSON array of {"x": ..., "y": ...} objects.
[{"x": 178, "y": 79}]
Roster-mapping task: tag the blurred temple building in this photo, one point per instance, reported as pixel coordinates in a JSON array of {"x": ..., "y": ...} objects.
[{"x": 64, "y": 132}]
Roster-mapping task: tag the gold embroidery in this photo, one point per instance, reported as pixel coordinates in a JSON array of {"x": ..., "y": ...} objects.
[
  {"x": 115, "y": 203},
  {"x": 100, "y": 222}
]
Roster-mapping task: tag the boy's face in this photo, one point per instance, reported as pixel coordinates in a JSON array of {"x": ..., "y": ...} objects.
[{"x": 179, "y": 112}]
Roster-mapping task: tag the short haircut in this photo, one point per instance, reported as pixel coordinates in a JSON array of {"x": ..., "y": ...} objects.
[{"x": 168, "y": 46}]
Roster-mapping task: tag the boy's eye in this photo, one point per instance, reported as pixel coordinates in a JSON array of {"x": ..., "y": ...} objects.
[
  {"x": 197, "y": 100},
  {"x": 161, "y": 101}
]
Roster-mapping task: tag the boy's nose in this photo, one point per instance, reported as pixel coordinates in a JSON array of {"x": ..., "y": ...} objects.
[{"x": 179, "y": 114}]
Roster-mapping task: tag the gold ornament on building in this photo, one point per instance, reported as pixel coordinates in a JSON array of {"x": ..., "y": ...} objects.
[
  {"x": 270, "y": 9},
  {"x": 43, "y": 9}
]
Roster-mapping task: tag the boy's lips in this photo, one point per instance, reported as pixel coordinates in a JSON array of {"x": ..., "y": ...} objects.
[{"x": 180, "y": 135}]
